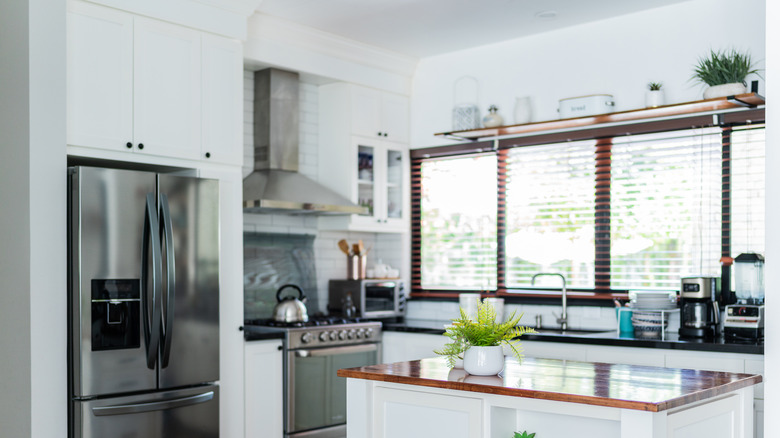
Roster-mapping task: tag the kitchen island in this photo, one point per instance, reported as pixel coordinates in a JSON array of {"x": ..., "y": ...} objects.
[{"x": 554, "y": 398}]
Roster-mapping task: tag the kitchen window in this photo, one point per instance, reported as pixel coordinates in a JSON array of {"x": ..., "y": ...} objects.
[
  {"x": 611, "y": 211},
  {"x": 459, "y": 223}
]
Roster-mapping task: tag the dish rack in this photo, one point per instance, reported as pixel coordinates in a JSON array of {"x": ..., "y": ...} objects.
[
  {"x": 650, "y": 323},
  {"x": 650, "y": 313}
]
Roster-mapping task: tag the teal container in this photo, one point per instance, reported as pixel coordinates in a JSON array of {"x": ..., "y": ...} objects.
[{"x": 624, "y": 320}]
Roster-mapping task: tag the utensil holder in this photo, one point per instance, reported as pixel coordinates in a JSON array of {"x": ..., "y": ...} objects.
[{"x": 356, "y": 267}]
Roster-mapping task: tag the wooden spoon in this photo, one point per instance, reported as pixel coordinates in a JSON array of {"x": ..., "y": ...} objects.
[
  {"x": 361, "y": 248},
  {"x": 355, "y": 249},
  {"x": 344, "y": 246}
]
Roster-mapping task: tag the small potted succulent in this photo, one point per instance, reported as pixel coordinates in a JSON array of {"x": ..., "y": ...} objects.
[
  {"x": 524, "y": 434},
  {"x": 724, "y": 72},
  {"x": 479, "y": 342},
  {"x": 654, "y": 97}
]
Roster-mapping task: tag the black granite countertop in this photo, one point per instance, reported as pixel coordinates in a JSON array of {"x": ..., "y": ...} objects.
[
  {"x": 612, "y": 338},
  {"x": 261, "y": 333}
]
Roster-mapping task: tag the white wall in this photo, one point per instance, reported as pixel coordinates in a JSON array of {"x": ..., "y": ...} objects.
[
  {"x": 618, "y": 56},
  {"x": 33, "y": 388},
  {"x": 331, "y": 262}
]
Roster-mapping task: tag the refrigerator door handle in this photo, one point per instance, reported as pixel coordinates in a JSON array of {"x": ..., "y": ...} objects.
[
  {"x": 151, "y": 327},
  {"x": 136, "y": 408},
  {"x": 170, "y": 267}
]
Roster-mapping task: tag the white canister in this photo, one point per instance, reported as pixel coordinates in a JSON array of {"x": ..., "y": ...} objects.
[
  {"x": 498, "y": 306},
  {"x": 523, "y": 110},
  {"x": 469, "y": 303}
]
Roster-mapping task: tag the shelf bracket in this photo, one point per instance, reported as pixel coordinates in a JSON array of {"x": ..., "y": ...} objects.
[
  {"x": 735, "y": 101},
  {"x": 459, "y": 138}
]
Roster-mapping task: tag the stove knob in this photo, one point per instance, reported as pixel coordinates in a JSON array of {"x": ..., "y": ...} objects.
[
  {"x": 369, "y": 332},
  {"x": 361, "y": 333},
  {"x": 352, "y": 334},
  {"x": 324, "y": 337},
  {"x": 333, "y": 335},
  {"x": 343, "y": 334},
  {"x": 306, "y": 338}
]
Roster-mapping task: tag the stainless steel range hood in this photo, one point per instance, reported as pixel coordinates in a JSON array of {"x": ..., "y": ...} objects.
[{"x": 275, "y": 186}]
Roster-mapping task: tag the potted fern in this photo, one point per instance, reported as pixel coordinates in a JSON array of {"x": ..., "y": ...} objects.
[
  {"x": 724, "y": 72},
  {"x": 479, "y": 342}
]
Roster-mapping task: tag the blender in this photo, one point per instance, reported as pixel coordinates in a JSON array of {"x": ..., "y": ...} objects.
[{"x": 744, "y": 321}]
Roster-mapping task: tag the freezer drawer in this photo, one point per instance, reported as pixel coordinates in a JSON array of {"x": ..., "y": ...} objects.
[{"x": 184, "y": 413}]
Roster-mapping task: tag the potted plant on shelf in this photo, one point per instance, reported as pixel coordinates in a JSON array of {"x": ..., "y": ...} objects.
[
  {"x": 479, "y": 342},
  {"x": 654, "y": 97},
  {"x": 524, "y": 434},
  {"x": 724, "y": 72}
]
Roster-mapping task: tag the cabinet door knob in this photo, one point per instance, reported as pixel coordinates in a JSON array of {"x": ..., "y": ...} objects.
[
  {"x": 129, "y": 145},
  {"x": 384, "y": 135},
  {"x": 379, "y": 134},
  {"x": 140, "y": 145},
  {"x": 208, "y": 154}
]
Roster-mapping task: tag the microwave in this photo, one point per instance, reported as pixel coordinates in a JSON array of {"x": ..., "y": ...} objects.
[{"x": 372, "y": 298}]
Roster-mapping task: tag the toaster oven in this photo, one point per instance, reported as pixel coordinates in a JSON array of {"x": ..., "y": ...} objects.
[{"x": 376, "y": 298}]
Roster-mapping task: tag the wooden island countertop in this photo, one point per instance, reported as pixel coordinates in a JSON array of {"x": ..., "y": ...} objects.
[{"x": 634, "y": 387}]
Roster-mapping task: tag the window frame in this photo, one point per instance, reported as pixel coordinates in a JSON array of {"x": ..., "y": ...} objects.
[{"x": 603, "y": 135}]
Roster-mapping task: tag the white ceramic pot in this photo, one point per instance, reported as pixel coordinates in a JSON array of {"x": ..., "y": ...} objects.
[
  {"x": 725, "y": 90},
  {"x": 654, "y": 98},
  {"x": 483, "y": 361}
]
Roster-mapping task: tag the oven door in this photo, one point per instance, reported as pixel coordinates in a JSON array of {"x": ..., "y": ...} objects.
[
  {"x": 379, "y": 299},
  {"x": 316, "y": 396}
]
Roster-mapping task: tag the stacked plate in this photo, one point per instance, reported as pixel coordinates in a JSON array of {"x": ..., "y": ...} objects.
[
  {"x": 649, "y": 324},
  {"x": 652, "y": 300}
]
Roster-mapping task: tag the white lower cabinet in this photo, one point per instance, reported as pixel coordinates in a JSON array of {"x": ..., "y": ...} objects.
[
  {"x": 263, "y": 374},
  {"x": 401, "y": 413}
]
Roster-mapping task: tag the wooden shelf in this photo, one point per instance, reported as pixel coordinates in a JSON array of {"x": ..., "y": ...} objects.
[{"x": 747, "y": 100}]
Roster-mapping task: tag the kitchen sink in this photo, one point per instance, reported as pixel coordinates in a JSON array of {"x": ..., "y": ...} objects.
[{"x": 571, "y": 332}]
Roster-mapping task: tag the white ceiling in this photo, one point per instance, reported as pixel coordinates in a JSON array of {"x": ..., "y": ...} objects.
[{"x": 421, "y": 28}]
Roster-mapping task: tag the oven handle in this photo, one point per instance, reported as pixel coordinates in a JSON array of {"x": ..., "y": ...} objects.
[{"x": 345, "y": 349}]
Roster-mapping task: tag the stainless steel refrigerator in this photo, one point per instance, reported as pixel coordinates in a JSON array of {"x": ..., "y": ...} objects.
[{"x": 143, "y": 304}]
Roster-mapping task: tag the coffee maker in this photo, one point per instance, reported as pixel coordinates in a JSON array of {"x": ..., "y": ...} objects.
[{"x": 700, "y": 313}]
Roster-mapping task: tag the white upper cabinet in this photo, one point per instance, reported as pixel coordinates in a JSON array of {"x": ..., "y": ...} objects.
[
  {"x": 166, "y": 110},
  {"x": 379, "y": 114},
  {"x": 153, "y": 88},
  {"x": 223, "y": 100},
  {"x": 362, "y": 156},
  {"x": 99, "y": 77}
]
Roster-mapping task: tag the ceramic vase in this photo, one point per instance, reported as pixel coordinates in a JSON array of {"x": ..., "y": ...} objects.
[
  {"x": 483, "y": 361},
  {"x": 654, "y": 98},
  {"x": 493, "y": 118},
  {"x": 725, "y": 90}
]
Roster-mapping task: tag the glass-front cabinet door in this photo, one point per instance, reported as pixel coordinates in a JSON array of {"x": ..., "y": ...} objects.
[
  {"x": 394, "y": 186},
  {"x": 380, "y": 185},
  {"x": 366, "y": 178}
]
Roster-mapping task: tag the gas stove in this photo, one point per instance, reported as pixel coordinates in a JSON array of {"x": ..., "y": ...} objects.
[{"x": 325, "y": 331}]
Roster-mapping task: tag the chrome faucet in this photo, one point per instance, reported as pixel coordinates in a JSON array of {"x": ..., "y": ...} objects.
[{"x": 563, "y": 320}]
